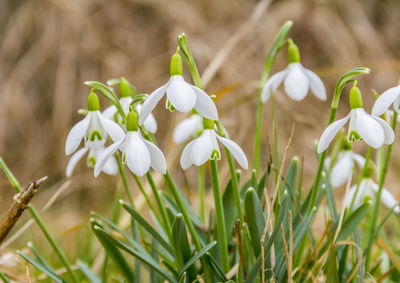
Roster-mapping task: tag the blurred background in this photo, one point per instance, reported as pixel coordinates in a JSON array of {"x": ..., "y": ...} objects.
[{"x": 49, "y": 48}]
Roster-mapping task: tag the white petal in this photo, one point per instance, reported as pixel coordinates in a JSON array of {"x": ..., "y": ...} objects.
[
  {"x": 205, "y": 105},
  {"x": 113, "y": 129},
  {"x": 272, "y": 84},
  {"x": 387, "y": 198},
  {"x": 202, "y": 148},
  {"x": 316, "y": 85},
  {"x": 111, "y": 167},
  {"x": 151, "y": 102},
  {"x": 360, "y": 160},
  {"x": 296, "y": 82},
  {"x": 74, "y": 160},
  {"x": 187, "y": 128},
  {"x": 109, "y": 112},
  {"x": 369, "y": 129},
  {"x": 137, "y": 155},
  {"x": 180, "y": 94},
  {"x": 126, "y": 103},
  {"x": 105, "y": 155},
  {"x": 350, "y": 196},
  {"x": 186, "y": 160},
  {"x": 150, "y": 123},
  {"x": 76, "y": 135},
  {"x": 384, "y": 101},
  {"x": 341, "y": 171},
  {"x": 389, "y": 134},
  {"x": 236, "y": 151},
  {"x": 330, "y": 132},
  {"x": 158, "y": 162}
]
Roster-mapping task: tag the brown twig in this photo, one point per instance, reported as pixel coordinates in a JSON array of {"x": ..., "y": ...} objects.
[
  {"x": 21, "y": 202},
  {"x": 240, "y": 247}
]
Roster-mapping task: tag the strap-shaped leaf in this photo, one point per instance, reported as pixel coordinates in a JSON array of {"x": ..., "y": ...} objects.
[
  {"x": 88, "y": 272},
  {"x": 49, "y": 272},
  {"x": 352, "y": 221}
]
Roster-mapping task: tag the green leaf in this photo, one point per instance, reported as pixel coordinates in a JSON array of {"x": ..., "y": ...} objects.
[
  {"x": 197, "y": 256},
  {"x": 352, "y": 221},
  {"x": 229, "y": 205},
  {"x": 145, "y": 224},
  {"x": 146, "y": 260},
  {"x": 217, "y": 268},
  {"x": 4, "y": 278},
  {"x": 255, "y": 218},
  {"x": 117, "y": 81},
  {"x": 49, "y": 272},
  {"x": 181, "y": 246},
  {"x": 88, "y": 272}
]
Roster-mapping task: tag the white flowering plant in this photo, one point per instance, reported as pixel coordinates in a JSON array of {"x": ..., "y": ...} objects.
[{"x": 259, "y": 229}]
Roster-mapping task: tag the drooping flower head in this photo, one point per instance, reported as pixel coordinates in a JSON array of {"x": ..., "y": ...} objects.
[
  {"x": 94, "y": 128},
  {"x": 138, "y": 153},
  {"x": 297, "y": 79},
  {"x": 205, "y": 148},
  {"x": 188, "y": 128},
  {"x": 372, "y": 129},
  {"x": 181, "y": 95},
  {"x": 387, "y": 98}
]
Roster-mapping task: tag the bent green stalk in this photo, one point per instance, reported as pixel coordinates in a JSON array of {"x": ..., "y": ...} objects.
[
  {"x": 219, "y": 211},
  {"x": 379, "y": 195},
  {"x": 124, "y": 179},
  {"x": 14, "y": 182},
  {"x": 276, "y": 47}
]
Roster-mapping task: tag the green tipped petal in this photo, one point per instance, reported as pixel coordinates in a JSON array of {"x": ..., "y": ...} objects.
[
  {"x": 293, "y": 52},
  {"x": 93, "y": 102},
  {"x": 124, "y": 88},
  {"x": 176, "y": 64},
  {"x": 355, "y": 97},
  {"x": 132, "y": 124},
  {"x": 208, "y": 124}
]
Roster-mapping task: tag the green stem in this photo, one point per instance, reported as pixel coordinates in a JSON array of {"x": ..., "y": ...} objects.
[
  {"x": 379, "y": 195},
  {"x": 269, "y": 62},
  {"x": 4, "y": 278},
  {"x": 124, "y": 179},
  {"x": 219, "y": 211},
  {"x": 40, "y": 222},
  {"x": 161, "y": 207},
  {"x": 201, "y": 183}
]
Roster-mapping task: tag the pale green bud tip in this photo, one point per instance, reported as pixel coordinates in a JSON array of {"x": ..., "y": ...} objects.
[
  {"x": 124, "y": 88},
  {"x": 176, "y": 64},
  {"x": 355, "y": 97},
  {"x": 93, "y": 102},
  {"x": 293, "y": 52},
  {"x": 208, "y": 124},
  {"x": 132, "y": 121}
]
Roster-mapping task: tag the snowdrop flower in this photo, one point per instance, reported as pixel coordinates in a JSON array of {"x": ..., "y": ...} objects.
[
  {"x": 110, "y": 167},
  {"x": 138, "y": 153},
  {"x": 341, "y": 170},
  {"x": 180, "y": 95},
  {"x": 372, "y": 129},
  {"x": 188, "y": 128},
  {"x": 93, "y": 129},
  {"x": 383, "y": 102},
  {"x": 369, "y": 188},
  {"x": 205, "y": 147},
  {"x": 297, "y": 79}
]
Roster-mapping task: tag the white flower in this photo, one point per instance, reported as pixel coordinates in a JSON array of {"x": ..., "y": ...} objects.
[
  {"x": 205, "y": 147},
  {"x": 110, "y": 167},
  {"x": 383, "y": 102},
  {"x": 370, "y": 188},
  {"x": 150, "y": 123},
  {"x": 373, "y": 130},
  {"x": 341, "y": 170},
  {"x": 297, "y": 80},
  {"x": 138, "y": 153},
  {"x": 188, "y": 128},
  {"x": 93, "y": 128},
  {"x": 183, "y": 97}
]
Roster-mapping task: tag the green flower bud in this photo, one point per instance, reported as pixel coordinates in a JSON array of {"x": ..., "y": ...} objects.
[
  {"x": 124, "y": 88},
  {"x": 132, "y": 121},
  {"x": 208, "y": 124},
  {"x": 355, "y": 97},
  {"x": 293, "y": 52},
  {"x": 369, "y": 169},
  {"x": 93, "y": 101},
  {"x": 176, "y": 64}
]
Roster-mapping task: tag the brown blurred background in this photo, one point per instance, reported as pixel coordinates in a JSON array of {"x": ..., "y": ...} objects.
[{"x": 49, "y": 48}]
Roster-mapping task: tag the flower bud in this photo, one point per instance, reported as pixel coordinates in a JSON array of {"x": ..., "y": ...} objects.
[
  {"x": 124, "y": 88},
  {"x": 355, "y": 97},
  {"x": 93, "y": 101},
  {"x": 132, "y": 121},
  {"x": 293, "y": 52},
  {"x": 208, "y": 124},
  {"x": 367, "y": 172},
  {"x": 176, "y": 64}
]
